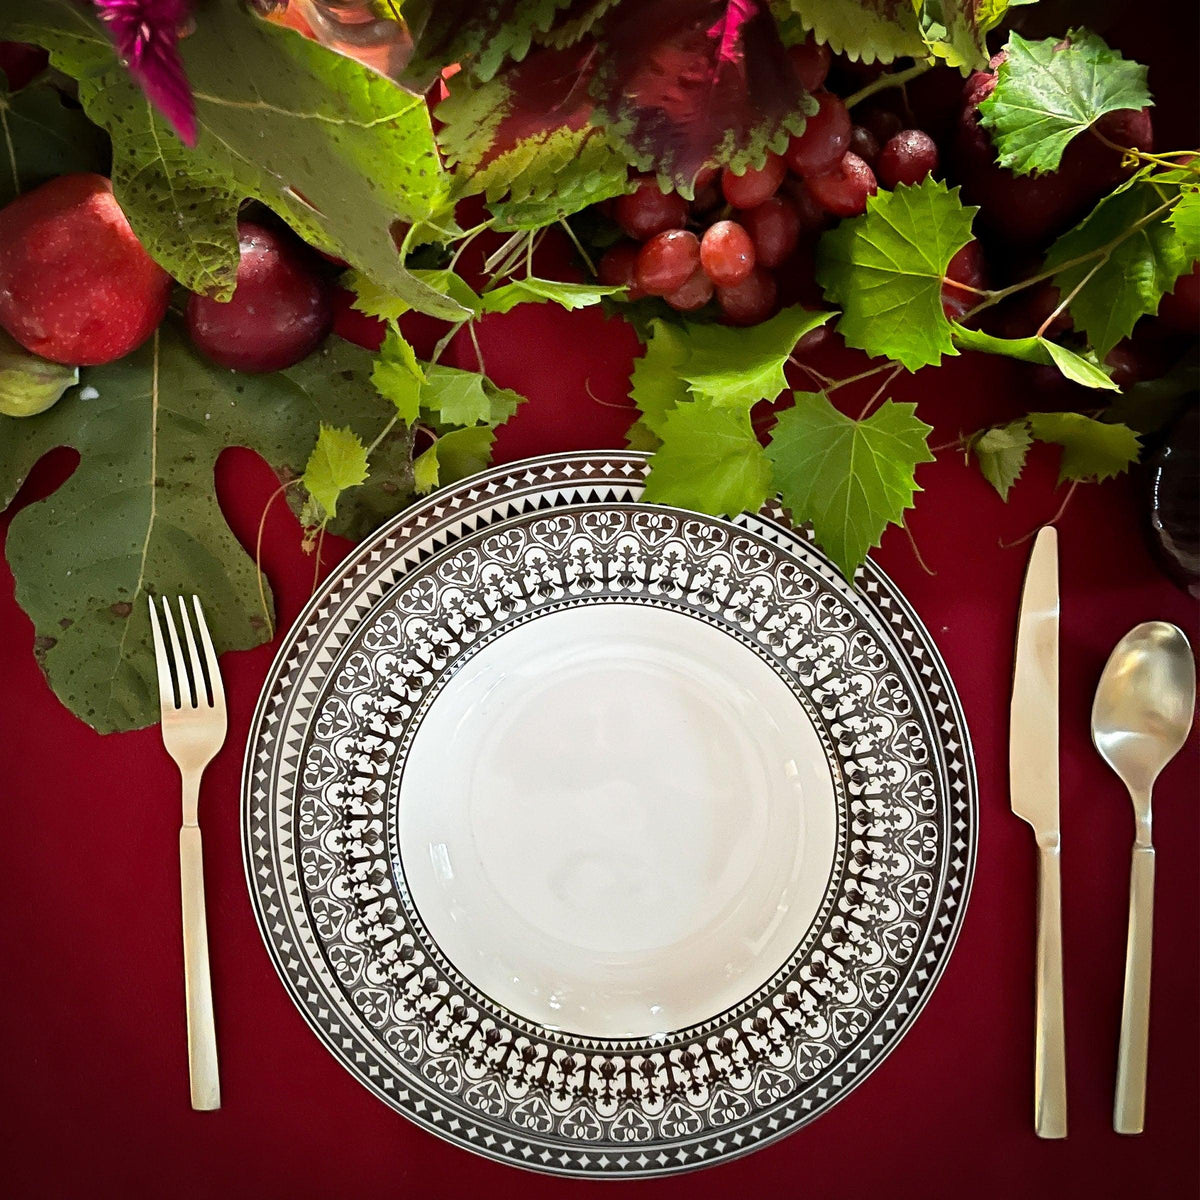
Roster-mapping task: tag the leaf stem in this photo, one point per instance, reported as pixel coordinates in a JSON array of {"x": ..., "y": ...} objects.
[
  {"x": 896, "y": 369},
  {"x": 591, "y": 266},
  {"x": 1062, "y": 508},
  {"x": 889, "y": 80},
  {"x": 1066, "y": 300},
  {"x": 1138, "y": 155},
  {"x": 262, "y": 521}
]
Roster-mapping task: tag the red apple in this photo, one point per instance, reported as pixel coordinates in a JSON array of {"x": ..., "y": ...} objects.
[{"x": 76, "y": 286}]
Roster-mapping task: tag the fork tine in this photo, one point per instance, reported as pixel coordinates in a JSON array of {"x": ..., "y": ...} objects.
[
  {"x": 210, "y": 657},
  {"x": 197, "y": 672},
  {"x": 187, "y": 694},
  {"x": 166, "y": 685}
]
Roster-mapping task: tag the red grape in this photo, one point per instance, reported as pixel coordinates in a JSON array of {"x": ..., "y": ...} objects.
[
  {"x": 694, "y": 294},
  {"x": 845, "y": 189},
  {"x": 882, "y": 122},
  {"x": 907, "y": 158},
  {"x": 811, "y": 60},
  {"x": 754, "y": 185},
  {"x": 727, "y": 253},
  {"x": 706, "y": 198},
  {"x": 825, "y": 139},
  {"x": 750, "y": 301},
  {"x": 280, "y": 310},
  {"x": 618, "y": 268},
  {"x": 704, "y": 177},
  {"x": 1179, "y": 309},
  {"x": 1124, "y": 365},
  {"x": 774, "y": 228},
  {"x": 648, "y": 210},
  {"x": 667, "y": 261},
  {"x": 967, "y": 267},
  {"x": 814, "y": 339},
  {"x": 812, "y": 216},
  {"x": 864, "y": 143}
]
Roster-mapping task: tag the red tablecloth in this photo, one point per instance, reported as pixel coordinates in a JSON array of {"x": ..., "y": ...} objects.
[{"x": 94, "y": 1072}]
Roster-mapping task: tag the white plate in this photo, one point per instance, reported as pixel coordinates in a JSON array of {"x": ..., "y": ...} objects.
[{"x": 603, "y": 838}]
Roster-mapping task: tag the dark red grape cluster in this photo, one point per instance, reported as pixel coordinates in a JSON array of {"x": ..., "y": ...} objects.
[{"x": 741, "y": 227}]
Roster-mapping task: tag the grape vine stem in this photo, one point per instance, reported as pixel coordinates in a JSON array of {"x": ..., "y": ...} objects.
[{"x": 890, "y": 80}]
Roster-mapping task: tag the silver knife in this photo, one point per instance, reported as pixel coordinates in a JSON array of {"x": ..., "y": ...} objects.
[{"x": 1033, "y": 789}]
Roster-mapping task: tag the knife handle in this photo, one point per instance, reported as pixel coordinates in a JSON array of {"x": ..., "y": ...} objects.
[
  {"x": 1050, "y": 1065},
  {"x": 1129, "y": 1109}
]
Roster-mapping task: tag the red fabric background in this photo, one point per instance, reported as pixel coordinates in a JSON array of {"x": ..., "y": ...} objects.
[{"x": 94, "y": 1074}]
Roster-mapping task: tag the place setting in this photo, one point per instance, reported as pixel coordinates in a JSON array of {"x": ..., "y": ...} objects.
[{"x": 617, "y": 514}]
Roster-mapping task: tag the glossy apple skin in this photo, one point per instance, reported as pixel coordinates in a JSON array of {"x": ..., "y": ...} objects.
[
  {"x": 281, "y": 309},
  {"x": 76, "y": 285}
]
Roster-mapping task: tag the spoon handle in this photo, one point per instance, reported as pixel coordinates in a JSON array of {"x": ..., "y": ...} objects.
[
  {"x": 1050, "y": 1066},
  {"x": 1129, "y": 1109}
]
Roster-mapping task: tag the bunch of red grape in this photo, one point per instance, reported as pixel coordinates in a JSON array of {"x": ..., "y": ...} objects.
[{"x": 741, "y": 227}]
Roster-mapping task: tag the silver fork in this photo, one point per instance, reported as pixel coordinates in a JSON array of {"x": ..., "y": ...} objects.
[{"x": 193, "y": 730}]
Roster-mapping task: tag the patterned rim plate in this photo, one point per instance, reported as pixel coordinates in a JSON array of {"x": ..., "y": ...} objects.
[{"x": 602, "y": 838}]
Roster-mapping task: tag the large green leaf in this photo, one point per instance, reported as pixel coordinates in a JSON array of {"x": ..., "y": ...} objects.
[
  {"x": 1047, "y": 93},
  {"x": 1119, "y": 262},
  {"x": 849, "y": 478},
  {"x": 340, "y": 152},
  {"x": 886, "y": 270},
  {"x": 1075, "y": 367},
  {"x": 42, "y": 134},
  {"x": 1091, "y": 449},
  {"x": 139, "y": 514}
]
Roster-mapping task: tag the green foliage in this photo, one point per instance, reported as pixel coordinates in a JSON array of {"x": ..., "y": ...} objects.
[
  {"x": 139, "y": 514},
  {"x": 29, "y": 384},
  {"x": 850, "y": 478},
  {"x": 886, "y": 269},
  {"x": 398, "y": 377},
  {"x": 41, "y": 136},
  {"x": 337, "y": 150},
  {"x": 1045, "y": 96},
  {"x": 1077, "y": 368},
  {"x": 710, "y": 460},
  {"x": 1138, "y": 252},
  {"x": 338, "y": 462},
  {"x": 1091, "y": 449},
  {"x": 1001, "y": 453},
  {"x": 457, "y": 454},
  {"x": 570, "y": 296}
]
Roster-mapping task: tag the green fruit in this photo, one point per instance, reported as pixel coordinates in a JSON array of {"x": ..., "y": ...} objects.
[{"x": 28, "y": 384}]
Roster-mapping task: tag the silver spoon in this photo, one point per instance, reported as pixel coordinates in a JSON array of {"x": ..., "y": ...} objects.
[{"x": 1140, "y": 718}]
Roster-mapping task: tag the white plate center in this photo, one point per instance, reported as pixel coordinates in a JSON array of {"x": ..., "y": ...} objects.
[{"x": 617, "y": 821}]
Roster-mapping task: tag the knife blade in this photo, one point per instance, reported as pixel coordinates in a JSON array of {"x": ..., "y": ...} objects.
[{"x": 1033, "y": 793}]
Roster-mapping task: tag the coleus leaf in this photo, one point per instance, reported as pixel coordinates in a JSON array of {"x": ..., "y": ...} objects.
[
  {"x": 337, "y": 463},
  {"x": 139, "y": 514},
  {"x": 538, "y": 291},
  {"x": 1001, "y": 453},
  {"x": 1047, "y": 93},
  {"x": 337, "y": 150},
  {"x": 42, "y": 136},
  {"x": 479, "y": 36},
  {"x": 685, "y": 84},
  {"x": 525, "y": 140},
  {"x": 710, "y": 461},
  {"x": 850, "y": 478},
  {"x": 1075, "y": 367},
  {"x": 865, "y": 30},
  {"x": 1137, "y": 255},
  {"x": 886, "y": 267},
  {"x": 956, "y": 30},
  {"x": 1091, "y": 449},
  {"x": 576, "y": 21}
]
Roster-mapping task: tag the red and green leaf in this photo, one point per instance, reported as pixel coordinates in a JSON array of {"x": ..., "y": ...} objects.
[{"x": 685, "y": 84}]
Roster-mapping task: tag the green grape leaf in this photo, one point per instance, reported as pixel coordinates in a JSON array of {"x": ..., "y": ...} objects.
[
  {"x": 1076, "y": 367},
  {"x": 656, "y": 385},
  {"x": 1001, "y": 453},
  {"x": 956, "y": 30},
  {"x": 42, "y": 135},
  {"x": 398, "y": 377},
  {"x": 709, "y": 461},
  {"x": 376, "y": 301},
  {"x": 139, "y": 514},
  {"x": 1185, "y": 220},
  {"x": 538, "y": 291},
  {"x": 1091, "y": 449},
  {"x": 1138, "y": 256},
  {"x": 340, "y": 152},
  {"x": 738, "y": 367},
  {"x": 850, "y": 478},
  {"x": 885, "y": 268},
  {"x": 457, "y": 454},
  {"x": 337, "y": 463},
  {"x": 1045, "y": 96},
  {"x": 864, "y": 30},
  {"x": 525, "y": 140},
  {"x": 458, "y": 397}
]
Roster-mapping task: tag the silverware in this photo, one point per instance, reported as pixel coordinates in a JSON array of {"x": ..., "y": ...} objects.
[
  {"x": 1033, "y": 788},
  {"x": 193, "y": 730},
  {"x": 1140, "y": 719}
]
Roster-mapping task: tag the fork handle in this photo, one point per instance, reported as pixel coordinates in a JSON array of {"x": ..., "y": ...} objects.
[
  {"x": 201, "y": 1029},
  {"x": 1050, "y": 1069},
  {"x": 1129, "y": 1108}
]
